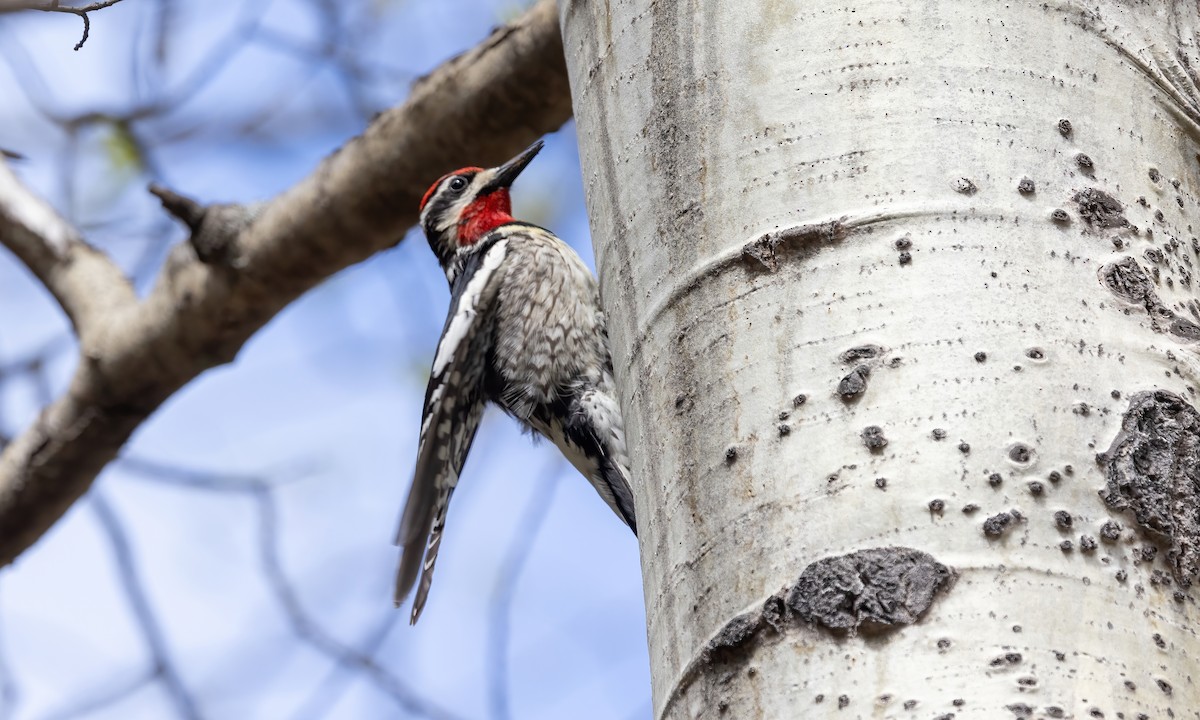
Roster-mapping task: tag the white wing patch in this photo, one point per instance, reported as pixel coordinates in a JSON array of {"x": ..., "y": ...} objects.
[{"x": 460, "y": 324}]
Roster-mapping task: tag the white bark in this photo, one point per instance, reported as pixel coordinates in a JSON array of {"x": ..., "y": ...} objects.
[{"x": 773, "y": 185}]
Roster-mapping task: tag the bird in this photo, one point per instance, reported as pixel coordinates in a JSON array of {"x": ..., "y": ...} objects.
[{"x": 526, "y": 332}]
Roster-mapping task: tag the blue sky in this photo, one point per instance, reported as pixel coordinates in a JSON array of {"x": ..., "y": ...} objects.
[{"x": 312, "y": 429}]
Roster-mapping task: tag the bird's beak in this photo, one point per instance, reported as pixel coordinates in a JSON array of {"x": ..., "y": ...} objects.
[{"x": 506, "y": 173}]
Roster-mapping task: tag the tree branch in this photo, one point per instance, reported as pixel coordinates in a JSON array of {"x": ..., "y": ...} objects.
[
  {"x": 477, "y": 108},
  {"x": 53, "y": 6},
  {"x": 310, "y": 632},
  {"x": 88, "y": 286},
  {"x": 305, "y": 627},
  {"x": 156, "y": 644}
]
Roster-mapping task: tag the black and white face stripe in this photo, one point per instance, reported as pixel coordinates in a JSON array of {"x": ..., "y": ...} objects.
[
  {"x": 450, "y": 192},
  {"x": 441, "y": 214},
  {"x": 447, "y": 201}
]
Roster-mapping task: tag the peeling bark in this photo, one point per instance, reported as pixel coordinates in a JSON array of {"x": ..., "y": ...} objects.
[
  {"x": 871, "y": 591},
  {"x": 1153, "y": 472},
  {"x": 1100, "y": 209},
  {"x": 1128, "y": 281},
  {"x": 868, "y": 591}
]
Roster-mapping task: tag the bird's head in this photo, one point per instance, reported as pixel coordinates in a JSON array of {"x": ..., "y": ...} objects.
[{"x": 463, "y": 206}]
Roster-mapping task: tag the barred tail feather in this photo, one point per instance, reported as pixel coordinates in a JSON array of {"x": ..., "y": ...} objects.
[{"x": 431, "y": 554}]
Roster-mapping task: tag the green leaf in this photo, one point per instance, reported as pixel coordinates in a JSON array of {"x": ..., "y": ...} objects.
[{"x": 122, "y": 149}]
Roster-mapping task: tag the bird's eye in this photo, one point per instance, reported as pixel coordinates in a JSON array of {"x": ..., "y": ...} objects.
[{"x": 457, "y": 183}]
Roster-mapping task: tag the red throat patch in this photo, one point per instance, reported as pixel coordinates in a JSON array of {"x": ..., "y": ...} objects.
[{"x": 484, "y": 215}]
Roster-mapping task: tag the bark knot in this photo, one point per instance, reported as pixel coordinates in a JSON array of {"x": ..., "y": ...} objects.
[
  {"x": 764, "y": 250},
  {"x": 868, "y": 591},
  {"x": 873, "y": 590},
  {"x": 1098, "y": 208},
  {"x": 1128, "y": 280},
  {"x": 215, "y": 228},
  {"x": 1153, "y": 472}
]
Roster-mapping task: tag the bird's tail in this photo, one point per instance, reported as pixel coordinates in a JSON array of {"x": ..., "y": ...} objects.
[
  {"x": 597, "y": 428},
  {"x": 411, "y": 563},
  {"x": 616, "y": 476}
]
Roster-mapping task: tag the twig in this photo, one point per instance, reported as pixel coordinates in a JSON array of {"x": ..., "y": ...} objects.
[
  {"x": 213, "y": 481},
  {"x": 187, "y": 210},
  {"x": 53, "y": 6},
  {"x": 329, "y": 690},
  {"x": 509, "y": 575},
  {"x": 35, "y": 360},
  {"x": 309, "y": 631},
  {"x": 156, "y": 644}
]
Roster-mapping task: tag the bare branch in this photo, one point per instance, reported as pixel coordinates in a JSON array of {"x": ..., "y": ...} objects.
[
  {"x": 477, "y": 108},
  {"x": 54, "y": 6},
  {"x": 327, "y": 692},
  {"x": 309, "y": 631},
  {"x": 262, "y": 492},
  {"x": 156, "y": 644},
  {"x": 192, "y": 479},
  {"x": 88, "y": 286}
]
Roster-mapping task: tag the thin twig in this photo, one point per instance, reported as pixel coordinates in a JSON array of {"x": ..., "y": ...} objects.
[
  {"x": 35, "y": 360},
  {"x": 303, "y": 625},
  {"x": 54, "y": 7},
  {"x": 147, "y": 620},
  {"x": 309, "y": 631},
  {"x": 508, "y": 577},
  {"x": 329, "y": 691},
  {"x": 209, "y": 480}
]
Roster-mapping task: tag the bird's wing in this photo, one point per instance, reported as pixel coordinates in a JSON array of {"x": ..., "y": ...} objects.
[{"x": 454, "y": 402}]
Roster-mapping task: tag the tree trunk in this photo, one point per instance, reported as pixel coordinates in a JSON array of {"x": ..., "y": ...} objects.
[{"x": 902, "y": 310}]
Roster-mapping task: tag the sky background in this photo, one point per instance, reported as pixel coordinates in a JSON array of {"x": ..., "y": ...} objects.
[{"x": 237, "y": 561}]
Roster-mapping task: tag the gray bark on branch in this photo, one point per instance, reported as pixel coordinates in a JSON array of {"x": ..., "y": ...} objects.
[
  {"x": 476, "y": 109},
  {"x": 86, "y": 284}
]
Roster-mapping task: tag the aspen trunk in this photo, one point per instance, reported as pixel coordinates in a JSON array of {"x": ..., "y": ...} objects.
[{"x": 902, "y": 309}]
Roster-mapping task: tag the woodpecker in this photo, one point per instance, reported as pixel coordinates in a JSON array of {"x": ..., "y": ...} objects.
[{"x": 525, "y": 331}]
